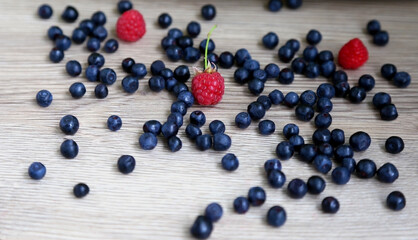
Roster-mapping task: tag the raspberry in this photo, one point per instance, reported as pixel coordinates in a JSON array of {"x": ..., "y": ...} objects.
[
  {"x": 130, "y": 26},
  {"x": 208, "y": 88},
  {"x": 353, "y": 54}
]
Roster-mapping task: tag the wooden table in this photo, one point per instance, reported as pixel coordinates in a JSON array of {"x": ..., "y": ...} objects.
[{"x": 165, "y": 193}]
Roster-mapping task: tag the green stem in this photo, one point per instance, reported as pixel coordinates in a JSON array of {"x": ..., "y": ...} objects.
[{"x": 207, "y": 45}]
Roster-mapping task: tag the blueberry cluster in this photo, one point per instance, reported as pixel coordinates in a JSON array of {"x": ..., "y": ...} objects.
[
  {"x": 203, "y": 225},
  {"x": 276, "y": 5},
  {"x": 383, "y": 102},
  {"x": 256, "y": 197},
  {"x": 380, "y": 37},
  {"x": 399, "y": 79}
]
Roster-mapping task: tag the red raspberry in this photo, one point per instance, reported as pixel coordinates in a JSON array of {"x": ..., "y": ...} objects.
[
  {"x": 130, "y": 26},
  {"x": 353, "y": 54},
  {"x": 208, "y": 88}
]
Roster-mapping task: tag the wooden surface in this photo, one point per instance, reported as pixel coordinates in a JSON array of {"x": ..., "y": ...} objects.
[{"x": 165, "y": 193}]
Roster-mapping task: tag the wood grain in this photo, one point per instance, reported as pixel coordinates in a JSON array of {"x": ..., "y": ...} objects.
[{"x": 164, "y": 194}]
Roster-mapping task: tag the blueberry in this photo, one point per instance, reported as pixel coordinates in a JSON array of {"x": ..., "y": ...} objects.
[
  {"x": 114, "y": 123},
  {"x": 349, "y": 163},
  {"x": 93, "y": 44},
  {"x": 124, "y": 5},
  {"x": 198, "y": 118},
  {"x": 297, "y": 188},
  {"x": 396, "y": 201},
  {"x": 186, "y": 97},
  {"x": 293, "y": 44},
  {"x": 340, "y": 175},
  {"x": 214, "y": 212},
  {"x": 69, "y": 149},
  {"x": 327, "y": 68},
  {"x": 310, "y": 53},
  {"x": 54, "y": 32},
  {"x": 251, "y": 65},
  {"x": 270, "y": 40},
  {"x": 307, "y": 152},
  {"x": 241, "y": 55},
  {"x": 126, "y": 164},
  {"x": 108, "y": 76},
  {"x": 152, "y": 126},
  {"x": 182, "y": 73},
  {"x": 148, "y": 141},
  {"x": 81, "y": 190},
  {"x": 325, "y": 90},
  {"x": 357, "y": 94},
  {"x": 367, "y": 82},
  {"x": 286, "y": 76},
  {"x": 321, "y": 135},
  {"x": 291, "y": 99},
  {"x": 260, "y": 75},
  {"x": 272, "y": 164},
  {"x": 191, "y": 54},
  {"x": 304, "y": 112},
  {"x": 324, "y": 105},
  {"x": 256, "y": 86},
  {"x": 217, "y": 126},
  {"x": 193, "y": 29},
  {"x": 130, "y": 84},
  {"x": 37, "y": 170},
  {"x": 323, "y": 120},
  {"x": 100, "y": 33},
  {"x": 174, "y": 53},
  {"x": 176, "y": 118},
  {"x": 342, "y": 89},
  {"x": 402, "y": 79},
  {"x": 101, "y": 91},
  {"x": 256, "y": 110},
  {"x": 373, "y": 27},
  {"x": 164, "y": 20},
  {"x": 111, "y": 46},
  {"x": 272, "y": 70},
  {"x": 96, "y": 59},
  {"x": 201, "y": 228},
  {"x": 180, "y": 87},
  {"x": 276, "y": 216},
  {"x": 211, "y": 46},
  {"x": 326, "y": 149},
  {"x": 184, "y": 42},
  {"x": 276, "y": 178},
  {"x": 180, "y": 107},
  {"x": 156, "y": 83},
  {"x": 208, "y": 12},
  {"x": 297, "y": 141},
  {"x": 313, "y": 37},
  {"x": 166, "y": 73},
  {"x": 312, "y": 70},
  {"x": 213, "y": 58},
  {"x": 69, "y": 124},
  {"x": 174, "y": 33},
  {"x": 330, "y": 205},
  {"x": 294, "y": 4},
  {"x": 78, "y": 36},
  {"x": 381, "y": 38},
  {"x": 63, "y": 43},
  {"x": 365, "y": 168},
  {"x": 204, "y": 142},
  {"x": 241, "y": 205},
  {"x": 388, "y": 71},
  {"x": 266, "y": 127},
  {"x": 343, "y": 151},
  {"x": 265, "y": 101},
  {"x": 275, "y": 5},
  {"x": 166, "y": 42},
  {"x": 360, "y": 141},
  {"x": 242, "y": 120},
  {"x": 285, "y": 54},
  {"x": 276, "y": 97},
  {"x": 337, "y": 137},
  {"x": 316, "y": 185},
  {"x": 45, "y": 11},
  {"x": 44, "y": 98},
  {"x": 99, "y": 18},
  {"x": 325, "y": 56},
  {"x": 290, "y": 129},
  {"x": 387, "y": 173},
  {"x": 77, "y": 90},
  {"x": 70, "y": 14},
  {"x": 230, "y": 162},
  {"x": 339, "y": 76},
  {"x": 156, "y": 66},
  {"x": 308, "y": 97},
  {"x": 394, "y": 145},
  {"x": 170, "y": 83},
  {"x": 322, "y": 163},
  {"x": 256, "y": 196},
  {"x": 284, "y": 150},
  {"x": 221, "y": 142},
  {"x": 174, "y": 144},
  {"x": 87, "y": 26},
  {"x": 388, "y": 112}
]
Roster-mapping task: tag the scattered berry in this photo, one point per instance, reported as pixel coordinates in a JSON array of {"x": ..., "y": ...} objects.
[
  {"x": 388, "y": 112},
  {"x": 297, "y": 188},
  {"x": 99, "y": 18},
  {"x": 204, "y": 142},
  {"x": 394, "y": 145},
  {"x": 241, "y": 205},
  {"x": 373, "y": 27},
  {"x": 101, "y": 91},
  {"x": 37, "y": 170},
  {"x": 256, "y": 86},
  {"x": 353, "y": 54},
  {"x": 357, "y": 94},
  {"x": 276, "y": 178},
  {"x": 304, "y": 112},
  {"x": 340, "y": 175},
  {"x": 77, "y": 90},
  {"x": 241, "y": 55},
  {"x": 276, "y": 216},
  {"x": 366, "y": 82},
  {"x": 44, "y": 98},
  {"x": 270, "y": 40},
  {"x": 266, "y": 127},
  {"x": 148, "y": 141},
  {"x": 124, "y": 5},
  {"x": 330, "y": 205},
  {"x": 310, "y": 53},
  {"x": 324, "y": 105},
  {"x": 349, "y": 163},
  {"x": 73, "y": 68},
  {"x": 130, "y": 26},
  {"x": 130, "y": 84},
  {"x": 111, "y": 46},
  {"x": 69, "y": 149},
  {"x": 294, "y": 4},
  {"x": 402, "y": 79},
  {"x": 365, "y": 168},
  {"x": 387, "y": 173},
  {"x": 291, "y": 99},
  {"x": 275, "y": 5},
  {"x": 381, "y": 38},
  {"x": 164, "y": 20},
  {"x": 388, "y": 71},
  {"x": 69, "y": 124},
  {"x": 114, "y": 123},
  {"x": 396, "y": 201},
  {"x": 208, "y": 12},
  {"x": 193, "y": 29},
  {"x": 174, "y": 144},
  {"x": 242, "y": 120},
  {"x": 202, "y": 227},
  {"x": 139, "y": 70},
  {"x": 230, "y": 162},
  {"x": 316, "y": 185},
  {"x": 63, "y": 43},
  {"x": 221, "y": 142},
  {"x": 152, "y": 126},
  {"x": 286, "y": 76},
  {"x": 337, "y": 137},
  {"x": 45, "y": 11},
  {"x": 284, "y": 150},
  {"x": 343, "y": 151},
  {"x": 70, "y": 14},
  {"x": 108, "y": 76},
  {"x": 81, "y": 190},
  {"x": 54, "y": 32},
  {"x": 360, "y": 141},
  {"x": 285, "y": 54},
  {"x": 313, "y": 37},
  {"x": 290, "y": 130},
  {"x": 78, "y": 36},
  {"x": 322, "y": 163},
  {"x": 256, "y": 196},
  {"x": 226, "y": 60},
  {"x": 126, "y": 164},
  {"x": 214, "y": 212}
]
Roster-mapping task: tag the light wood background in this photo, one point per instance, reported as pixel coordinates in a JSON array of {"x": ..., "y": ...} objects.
[{"x": 165, "y": 193}]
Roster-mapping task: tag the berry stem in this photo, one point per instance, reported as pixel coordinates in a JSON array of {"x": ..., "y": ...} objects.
[{"x": 207, "y": 45}]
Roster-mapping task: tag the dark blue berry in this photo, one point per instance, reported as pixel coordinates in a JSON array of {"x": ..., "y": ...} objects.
[
  {"x": 242, "y": 120},
  {"x": 304, "y": 112},
  {"x": 191, "y": 54},
  {"x": 339, "y": 76},
  {"x": 174, "y": 144},
  {"x": 241, "y": 55},
  {"x": 276, "y": 178},
  {"x": 182, "y": 73},
  {"x": 174, "y": 33},
  {"x": 45, "y": 11},
  {"x": 286, "y": 76},
  {"x": 108, "y": 76},
  {"x": 312, "y": 70},
  {"x": 176, "y": 118},
  {"x": 167, "y": 42},
  {"x": 184, "y": 42},
  {"x": 213, "y": 58},
  {"x": 373, "y": 27},
  {"x": 272, "y": 164},
  {"x": 284, "y": 150},
  {"x": 322, "y": 163},
  {"x": 193, "y": 29},
  {"x": 204, "y": 142},
  {"x": 96, "y": 59},
  {"x": 357, "y": 94},
  {"x": 367, "y": 82},
  {"x": 114, "y": 123},
  {"x": 343, "y": 151},
  {"x": 388, "y": 71},
  {"x": 340, "y": 175},
  {"x": 63, "y": 42},
  {"x": 148, "y": 141},
  {"x": 214, "y": 212},
  {"x": 381, "y": 38},
  {"x": 330, "y": 205},
  {"x": 308, "y": 97},
  {"x": 216, "y": 126},
  {"x": 77, "y": 90},
  {"x": 201, "y": 228},
  {"x": 349, "y": 163},
  {"x": 285, "y": 54},
  {"x": 260, "y": 75},
  {"x": 324, "y": 105},
  {"x": 294, "y": 4},
  {"x": 241, "y": 75},
  {"x": 387, "y": 173},
  {"x": 180, "y": 107},
  {"x": 164, "y": 20},
  {"x": 290, "y": 129},
  {"x": 266, "y": 127},
  {"x": 251, "y": 65},
  {"x": 326, "y": 149},
  {"x": 265, "y": 101},
  {"x": 276, "y": 216},
  {"x": 270, "y": 40},
  {"x": 100, "y": 33},
  {"x": 323, "y": 120},
  {"x": 342, "y": 89},
  {"x": 166, "y": 73},
  {"x": 156, "y": 83},
  {"x": 193, "y": 131},
  {"x": 69, "y": 149},
  {"x": 81, "y": 190},
  {"x": 388, "y": 112},
  {"x": 276, "y": 97},
  {"x": 78, "y": 36},
  {"x": 211, "y": 46},
  {"x": 256, "y": 110},
  {"x": 87, "y": 25},
  {"x": 402, "y": 79},
  {"x": 325, "y": 56},
  {"x": 44, "y": 98},
  {"x": 54, "y": 32},
  {"x": 275, "y": 5},
  {"x": 152, "y": 126},
  {"x": 316, "y": 185},
  {"x": 396, "y": 201},
  {"x": 360, "y": 141},
  {"x": 272, "y": 70},
  {"x": 322, "y": 135},
  {"x": 73, "y": 68},
  {"x": 394, "y": 145},
  {"x": 256, "y": 196},
  {"x": 313, "y": 37},
  {"x": 93, "y": 44},
  {"x": 221, "y": 142},
  {"x": 296, "y": 141},
  {"x": 37, "y": 170},
  {"x": 208, "y": 12},
  {"x": 366, "y": 168},
  {"x": 126, "y": 164},
  {"x": 101, "y": 91},
  {"x": 297, "y": 188},
  {"x": 291, "y": 99},
  {"x": 179, "y": 87},
  {"x": 174, "y": 53},
  {"x": 69, "y": 124},
  {"x": 256, "y": 86},
  {"x": 156, "y": 67},
  {"x": 298, "y": 65},
  {"x": 198, "y": 118},
  {"x": 310, "y": 53},
  {"x": 124, "y": 5},
  {"x": 325, "y": 90},
  {"x": 230, "y": 162},
  {"x": 307, "y": 152},
  {"x": 337, "y": 137},
  {"x": 170, "y": 83},
  {"x": 327, "y": 68},
  {"x": 99, "y": 18},
  {"x": 241, "y": 205},
  {"x": 70, "y": 14},
  {"x": 111, "y": 46},
  {"x": 130, "y": 84},
  {"x": 293, "y": 44}
]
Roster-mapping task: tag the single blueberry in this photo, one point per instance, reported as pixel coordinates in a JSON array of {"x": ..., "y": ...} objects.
[
  {"x": 387, "y": 173},
  {"x": 96, "y": 59},
  {"x": 54, "y": 32},
  {"x": 101, "y": 91},
  {"x": 286, "y": 76},
  {"x": 221, "y": 142},
  {"x": 156, "y": 83},
  {"x": 78, "y": 36},
  {"x": 256, "y": 110},
  {"x": 276, "y": 216},
  {"x": 81, "y": 190},
  {"x": 294, "y": 4},
  {"x": 87, "y": 26},
  {"x": 308, "y": 97},
  {"x": 45, "y": 11},
  {"x": 174, "y": 144},
  {"x": 99, "y": 18},
  {"x": 230, "y": 162},
  {"x": 388, "y": 112},
  {"x": 148, "y": 141},
  {"x": 265, "y": 101},
  {"x": 388, "y": 71},
  {"x": 324, "y": 105},
  {"x": 297, "y": 142},
  {"x": 176, "y": 118},
  {"x": 164, "y": 20},
  {"x": 297, "y": 188},
  {"x": 251, "y": 65},
  {"x": 180, "y": 107},
  {"x": 285, "y": 54},
  {"x": 69, "y": 124},
  {"x": 114, "y": 123},
  {"x": 276, "y": 178},
  {"x": 322, "y": 163},
  {"x": 208, "y": 12},
  {"x": 313, "y": 37},
  {"x": 307, "y": 152},
  {"x": 270, "y": 40},
  {"x": 275, "y": 5},
  {"x": 182, "y": 73},
  {"x": 381, "y": 38},
  {"x": 349, "y": 163},
  {"x": 310, "y": 53},
  {"x": 260, "y": 75},
  {"x": 193, "y": 29},
  {"x": 373, "y": 27},
  {"x": 276, "y": 97},
  {"x": 37, "y": 170},
  {"x": 214, "y": 212},
  {"x": 256, "y": 196},
  {"x": 70, "y": 14},
  {"x": 293, "y": 44},
  {"x": 126, "y": 164},
  {"x": 316, "y": 184},
  {"x": 156, "y": 67},
  {"x": 242, "y": 120},
  {"x": 321, "y": 135},
  {"x": 174, "y": 53},
  {"x": 211, "y": 46},
  {"x": 201, "y": 228},
  {"x": 330, "y": 205},
  {"x": 325, "y": 56},
  {"x": 266, "y": 127},
  {"x": 93, "y": 44},
  {"x": 360, "y": 141},
  {"x": 291, "y": 99},
  {"x": 284, "y": 150},
  {"x": 139, "y": 70},
  {"x": 340, "y": 175},
  {"x": 339, "y": 76},
  {"x": 323, "y": 120},
  {"x": 342, "y": 89},
  {"x": 343, "y": 151},
  {"x": 204, "y": 142},
  {"x": 256, "y": 86},
  {"x": 241, "y": 205},
  {"x": 357, "y": 94},
  {"x": 63, "y": 43},
  {"x": 325, "y": 90},
  {"x": 272, "y": 70},
  {"x": 124, "y": 5},
  {"x": 366, "y": 168},
  {"x": 402, "y": 79},
  {"x": 111, "y": 46},
  {"x": 312, "y": 70},
  {"x": 304, "y": 112},
  {"x": 69, "y": 149},
  {"x": 100, "y": 33},
  {"x": 396, "y": 201},
  {"x": 130, "y": 84},
  {"x": 272, "y": 164},
  {"x": 152, "y": 126},
  {"x": 367, "y": 82},
  {"x": 394, "y": 145},
  {"x": 290, "y": 129},
  {"x": 241, "y": 55},
  {"x": 108, "y": 76},
  {"x": 77, "y": 90},
  {"x": 337, "y": 137},
  {"x": 44, "y": 98},
  {"x": 327, "y": 68}
]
